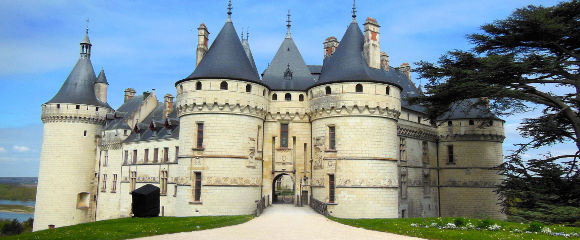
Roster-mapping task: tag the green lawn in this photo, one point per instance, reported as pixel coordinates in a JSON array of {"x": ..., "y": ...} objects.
[
  {"x": 509, "y": 230},
  {"x": 125, "y": 228}
]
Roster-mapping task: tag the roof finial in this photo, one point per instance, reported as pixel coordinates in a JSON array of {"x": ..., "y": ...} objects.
[
  {"x": 87, "y": 29},
  {"x": 247, "y": 33},
  {"x": 353, "y": 9},
  {"x": 242, "y": 34},
  {"x": 229, "y": 10},
  {"x": 288, "y": 25}
]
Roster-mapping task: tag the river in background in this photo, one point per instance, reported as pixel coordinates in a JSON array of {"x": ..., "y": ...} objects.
[{"x": 20, "y": 216}]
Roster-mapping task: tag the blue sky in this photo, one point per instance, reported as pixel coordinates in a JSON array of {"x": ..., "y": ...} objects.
[{"x": 151, "y": 44}]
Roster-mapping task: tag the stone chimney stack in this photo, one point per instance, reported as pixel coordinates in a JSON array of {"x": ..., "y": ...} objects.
[
  {"x": 202, "y": 41},
  {"x": 406, "y": 69},
  {"x": 330, "y": 45},
  {"x": 385, "y": 61},
  {"x": 168, "y": 101},
  {"x": 129, "y": 93},
  {"x": 372, "y": 47}
]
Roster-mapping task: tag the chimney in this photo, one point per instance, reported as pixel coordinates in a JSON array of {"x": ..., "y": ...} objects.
[
  {"x": 330, "y": 45},
  {"x": 202, "y": 41},
  {"x": 384, "y": 61},
  {"x": 406, "y": 69},
  {"x": 372, "y": 47},
  {"x": 168, "y": 101},
  {"x": 129, "y": 93}
]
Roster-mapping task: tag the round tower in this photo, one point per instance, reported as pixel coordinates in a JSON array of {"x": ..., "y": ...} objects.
[
  {"x": 72, "y": 121},
  {"x": 470, "y": 147},
  {"x": 221, "y": 107},
  {"x": 354, "y": 110}
]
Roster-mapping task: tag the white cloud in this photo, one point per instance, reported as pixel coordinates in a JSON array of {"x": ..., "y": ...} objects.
[
  {"x": 21, "y": 148},
  {"x": 2, "y": 149}
]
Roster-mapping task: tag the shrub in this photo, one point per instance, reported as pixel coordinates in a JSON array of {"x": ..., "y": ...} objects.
[
  {"x": 484, "y": 223},
  {"x": 460, "y": 222},
  {"x": 535, "y": 227},
  {"x": 12, "y": 228}
]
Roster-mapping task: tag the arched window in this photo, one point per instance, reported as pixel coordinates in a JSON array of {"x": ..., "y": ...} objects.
[
  {"x": 388, "y": 90},
  {"x": 198, "y": 86},
  {"x": 288, "y": 97},
  {"x": 449, "y": 123},
  {"x": 301, "y": 98},
  {"x": 359, "y": 88},
  {"x": 248, "y": 88},
  {"x": 274, "y": 97},
  {"x": 328, "y": 91},
  {"x": 471, "y": 122},
  {"x": 224, "y": 85}
]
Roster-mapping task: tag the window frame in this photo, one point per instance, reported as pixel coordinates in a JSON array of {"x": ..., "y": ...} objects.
[
  {"x": 450, "y": 154},
  {"x": 197, "y": 187},
  {"x": 284, "y": 134},
  {"x": 332, "y": 137},
  {"x": 359, "y": 88},
  {"x": 331, "y": 189},
  {"x": 223, "y": 85},
  {"x": 199, "y": 135}
]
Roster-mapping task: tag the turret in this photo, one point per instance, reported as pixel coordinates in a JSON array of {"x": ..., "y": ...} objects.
[
  {"x": 72, "y": 119},
  {"x": 101, "y": 86},
  {"x": 470, "y": 148}
]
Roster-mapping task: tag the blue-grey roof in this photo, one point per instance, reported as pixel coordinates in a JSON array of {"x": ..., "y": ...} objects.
[
  {"x": 226, "y": 58},
  {"x": 102, "y": 78},
  {"x": 348, "y": 64},
  {"x": 156, "y": 126},
  {"x": 248, "y": 51},
  {"x": 122, "y": 114},
  {"x": 408, "y": 89},
  {"x": 288, "y": 71},
  {"x": 79, "y": 86},
  {"x": 315, "y": 70},
  {"x": 471, "y": 108}
]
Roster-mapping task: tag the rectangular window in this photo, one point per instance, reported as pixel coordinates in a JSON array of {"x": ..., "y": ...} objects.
[
  {"x": 134, "y": 156},
  {"x": 165, "y": 154},
  {"x": 175, "y": 190},
  {"x": 284, "y": 135},
  {"x": 146, "y": 156},
  {"x": 126, "y": 156},
  {"x": 331, "y": 188},
  {"x": 163, "y": 183},
  {"x": 199, "y": 135},
  {"x": 332, "y": 138},
  {"x": 425, "y": 152},
  {"x": 114, "y": 186},
  {"x": 155, "y": 154},
  {"x": 176, "y": 153},
  {"x": 133, "y": 180},
  {"x": 450, "y": 154},
  {"x": 197, "y": 193},
  {"x": 104, "y": 185},
  {"x": 106, "y": 158},
  {"x": 419, "y": 119}
]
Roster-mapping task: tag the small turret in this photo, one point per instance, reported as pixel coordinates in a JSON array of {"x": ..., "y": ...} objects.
[
  {"x": 406, "y": 69},
  {"x": 101, "y": 86}
]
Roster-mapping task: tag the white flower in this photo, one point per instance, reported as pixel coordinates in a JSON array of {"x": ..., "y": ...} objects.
[
  {"x": 546, "y": 230},
  {"x": 433, "y": 224},
  {"x": 494, "y": 227},
  {"x": 413, "y": 225},
  {"x": 450, "y": 225},
  {"x": 469, "y": 225}
]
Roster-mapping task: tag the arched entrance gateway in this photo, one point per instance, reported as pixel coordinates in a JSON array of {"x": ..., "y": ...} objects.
[{"x": 283, "y": 189}]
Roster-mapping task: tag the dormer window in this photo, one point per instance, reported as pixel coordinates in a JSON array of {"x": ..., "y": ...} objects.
[
  {"x": 248, "y": 88},
  {"x": 288, "y": 73},
  {"x": 197, "y": 86},
  {"x": 359, "y": 88},
  {"x": 328, "y": 91},
  {"x": 288, "y": 97}
]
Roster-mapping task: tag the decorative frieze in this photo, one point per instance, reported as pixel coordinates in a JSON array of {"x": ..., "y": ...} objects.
[
  {"x": 318, "y": 112},
  {"x": 231, "y": 181},
  {"x": 416, "y": 133},
  {"x": 184, "y": 108}
]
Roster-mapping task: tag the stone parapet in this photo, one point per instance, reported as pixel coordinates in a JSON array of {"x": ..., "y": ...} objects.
[{"x": 79, "y": 113}]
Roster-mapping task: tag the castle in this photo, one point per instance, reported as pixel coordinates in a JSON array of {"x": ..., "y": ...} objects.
[{"x": 343, "y": 132}]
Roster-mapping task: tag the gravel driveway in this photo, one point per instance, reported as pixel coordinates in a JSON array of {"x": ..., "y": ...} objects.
[{"x": 285, "y": 222}]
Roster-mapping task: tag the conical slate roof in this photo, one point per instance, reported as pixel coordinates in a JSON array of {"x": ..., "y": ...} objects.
[
  {"x": 470, "y": 108},
  {"x": 102, "y": 78},
  {"x": 248, "y": 51},
  {"x": 79, "y": 86},
  {"x": 348, "y": 64},
  {"x": 288, "y": 71},
  {"x": 226, "y": 58}
]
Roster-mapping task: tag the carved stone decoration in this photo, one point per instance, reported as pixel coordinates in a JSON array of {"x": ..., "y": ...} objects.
[
  {"x": 331, "y": 165},
  {"x": 252, "y": 153},
  {"x": 197, "y": 163},
  {"x": 416, "y": 133},
  {"x": 318, "y": 153},
  {"x": 366, "y": 182},
  {"x": 182, "y": 180},
  {"x": 231, "y": 181},
  {"x": 317, "y": 182}
]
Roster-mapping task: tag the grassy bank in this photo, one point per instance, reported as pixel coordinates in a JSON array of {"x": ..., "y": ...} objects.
[
  {"x": 17, "y": 192},
  {"x": 125, "y": 228},
  {"x": 462, "y": 228}
]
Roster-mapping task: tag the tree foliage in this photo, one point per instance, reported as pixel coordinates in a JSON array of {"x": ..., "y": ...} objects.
[{"x": 529, "y": 60}]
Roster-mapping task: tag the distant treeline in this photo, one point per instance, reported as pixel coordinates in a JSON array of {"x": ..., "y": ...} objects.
[
  {"x": 17, "y": 192},
  {"x": 19, "y": 180}
]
